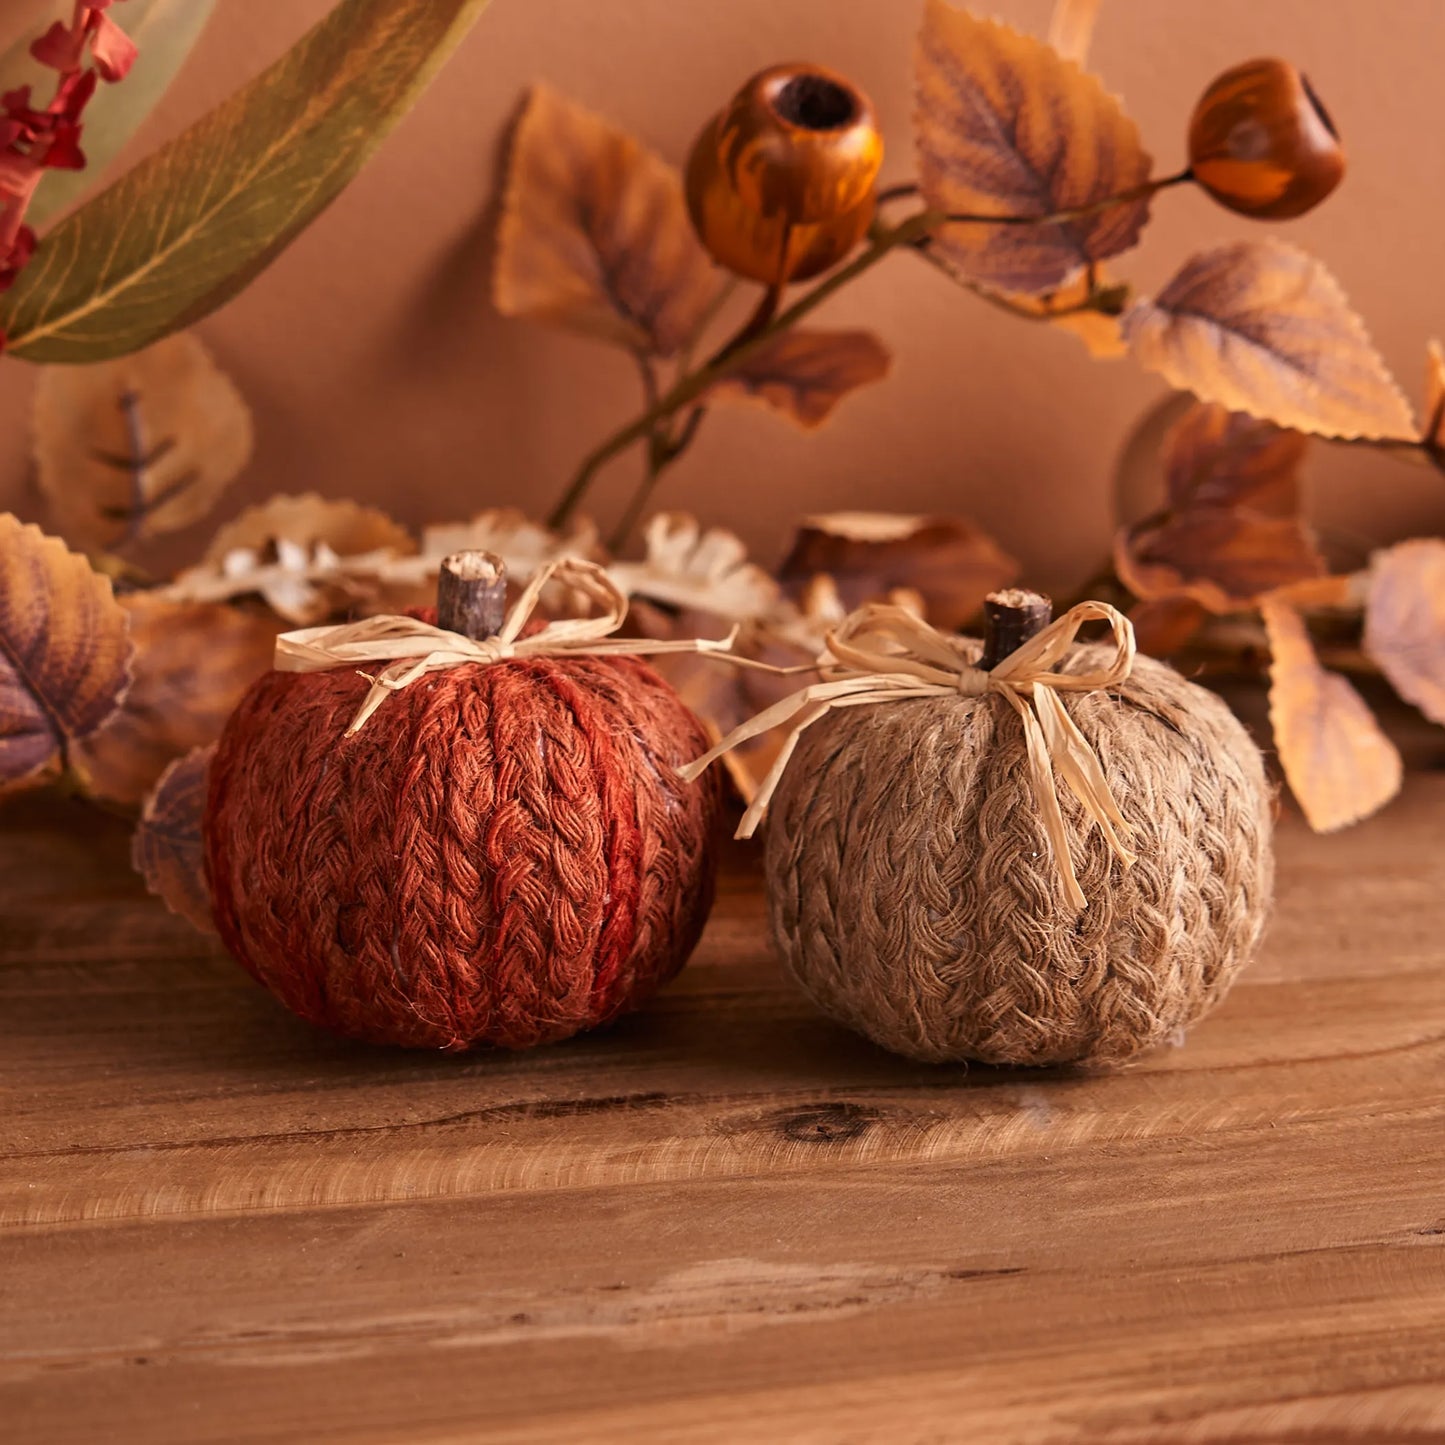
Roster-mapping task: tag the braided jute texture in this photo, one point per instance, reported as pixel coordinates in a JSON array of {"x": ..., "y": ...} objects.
[
  {"x": 913, "y": 896},
  {"x": 502, "y": 855}
]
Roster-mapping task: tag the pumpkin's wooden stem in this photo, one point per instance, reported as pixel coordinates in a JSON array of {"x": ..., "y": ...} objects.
[
  {"x": 1011, "y": 617},
  {"x": 472, "y": 594}
]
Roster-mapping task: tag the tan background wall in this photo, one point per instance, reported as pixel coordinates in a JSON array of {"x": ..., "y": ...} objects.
[{"x": 376, "y": 368}]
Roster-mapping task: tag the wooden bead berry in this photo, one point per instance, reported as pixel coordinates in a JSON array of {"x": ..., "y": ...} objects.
[
  {"x": 1261, "y": 143},
  {"x": 502, "y": 855},
  {"x": 780, "y": 183}
]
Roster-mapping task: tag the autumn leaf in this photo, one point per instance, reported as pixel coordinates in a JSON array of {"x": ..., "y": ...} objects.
[
  {"x": 64, "y": 649},
  {"x": 140, "y": 445},
  {"x": 194, "y": 222},
  {"x": 951, "y": 563},
  {"x": 805, "y": 374},
  {"x": 1165, "y": 625},
  {"x": 307, "y": 557},
  {"x": 701, "y": 570},
  {"x": 165, "y": 32},
  {"x": 167, "y": 850},
  {"x": 192, "y": 663},
  {"x": 594, "y": 233},
  {"x": 1232, "y": 529},
  {"x": 1071, "y": 28},
  {"x": 1434, "y": 433},
  {"x": 1263, "y": 328},
  {"x": 1339, "y": 764},
  {"x": 1006, "y": 126},
  {"x": 1098, "y": 331},
  {"x": 1405, "y": 621}
]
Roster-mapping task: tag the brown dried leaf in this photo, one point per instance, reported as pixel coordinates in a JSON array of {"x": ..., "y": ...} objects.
[
  {"x": 1007, "y": 126},
  {"x": 140, "y": 445},
  {"x": 1165, "y": 625},
  {"x": 1263, "y": 328},
  {"x": 1071, "y": 28},
  {"x": 1405, "y": 621},
  {"x": 1341, "y": 767},
  {"x": 1232, "y": 529},
  {"x": 805, "y": 374},
  {"x": 1434, "y": 433},
  {"x": 167, "y": 848},
  {"x": 705, "y": 571},
  {"x": 306, "y": 556},
  {"x": 193, "y": 660},
  {"x": 951, "y": 563},
  {"x": 64, "y": 649},
  {"x": 594, "y": 233}
]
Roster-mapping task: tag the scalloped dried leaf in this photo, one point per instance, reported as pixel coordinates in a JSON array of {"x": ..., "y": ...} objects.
[
  {"x": 1007, "y": 126},
  {"x": 524, "y": 545},
  {"x": 1405, "y": 621},
  {"x": 307, "y": 557},
  {"x": 143, "y": 444},
  {"x": 805, "y": 374},
  {"x": 193, "y": 661},
  {"x": 64, "y": 648},
  {"x": 1434, "y": 432},
  {"x": 705, "y": 570},
  {"x": 1340, "y": 766},
  {"x": 1165, "y": 625},
  {"x": 195, "y": 221},
  {"x": 167, "y": 847},
  {"x": 1071, "y": 28},
  {"x": 594, "y": 233},
  {"x": 1262, "y": 327},
  {"x": 348, "y": 528},
  {"x": 949, "y": 561}
]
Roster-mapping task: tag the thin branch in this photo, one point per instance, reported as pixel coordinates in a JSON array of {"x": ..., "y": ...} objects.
[{"x": 688, "y": 388}]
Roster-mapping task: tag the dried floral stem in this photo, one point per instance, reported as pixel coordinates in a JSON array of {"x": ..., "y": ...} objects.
[
  {"x": 1424, "y": 452},
  {"x": 691, "y": 386}
]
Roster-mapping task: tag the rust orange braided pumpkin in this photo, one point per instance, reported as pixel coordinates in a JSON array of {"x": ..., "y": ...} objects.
[{"x": 502, "y": 855}]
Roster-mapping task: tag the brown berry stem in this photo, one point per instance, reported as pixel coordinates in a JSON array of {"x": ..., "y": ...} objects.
[
  {"x": 1011, "y": 617},
  {"x": 694, "y": 384},
  {"x": 472, "y": 594}
]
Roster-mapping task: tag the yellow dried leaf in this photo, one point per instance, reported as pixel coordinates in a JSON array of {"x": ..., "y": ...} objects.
[
  {"x": 193, "y": 660},
  {"x": 1071, "y": 28},
  {"x": 1405, "y": 621},
  {"x": 950, "y": 562},
  {"x": 145, "y": 444},
  {"x": 167, "y": 849},
  {"x": 805, "y": 374},
  {"x": 702, "y": 570},
  {"x": 1006, "y": 126},
  {"x": 64, "y": 649},
  {"x": 594, "y": 233},
  {"x": 1263, "y": 328},
  {"x": 1341, "y": 767}
]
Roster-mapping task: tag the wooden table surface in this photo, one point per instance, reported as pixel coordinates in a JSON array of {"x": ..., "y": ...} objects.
[{"x": 725, "y": 1220}]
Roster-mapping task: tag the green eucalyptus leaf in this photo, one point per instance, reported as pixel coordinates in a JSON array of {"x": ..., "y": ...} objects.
[
  {"x": 166, "y": 31},
  {"x": 191, "y": 225}
]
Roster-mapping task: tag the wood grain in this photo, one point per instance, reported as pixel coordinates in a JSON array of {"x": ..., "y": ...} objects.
[{"x": 724, "y": 1220}]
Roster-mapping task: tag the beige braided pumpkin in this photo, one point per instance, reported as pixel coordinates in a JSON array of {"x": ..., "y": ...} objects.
[{"x": 914, "y": 895}]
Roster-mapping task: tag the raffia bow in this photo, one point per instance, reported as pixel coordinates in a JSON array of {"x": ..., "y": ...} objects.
[
  {"x": 412, "y": 648},
  {"x": 883, "y": 654}
]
